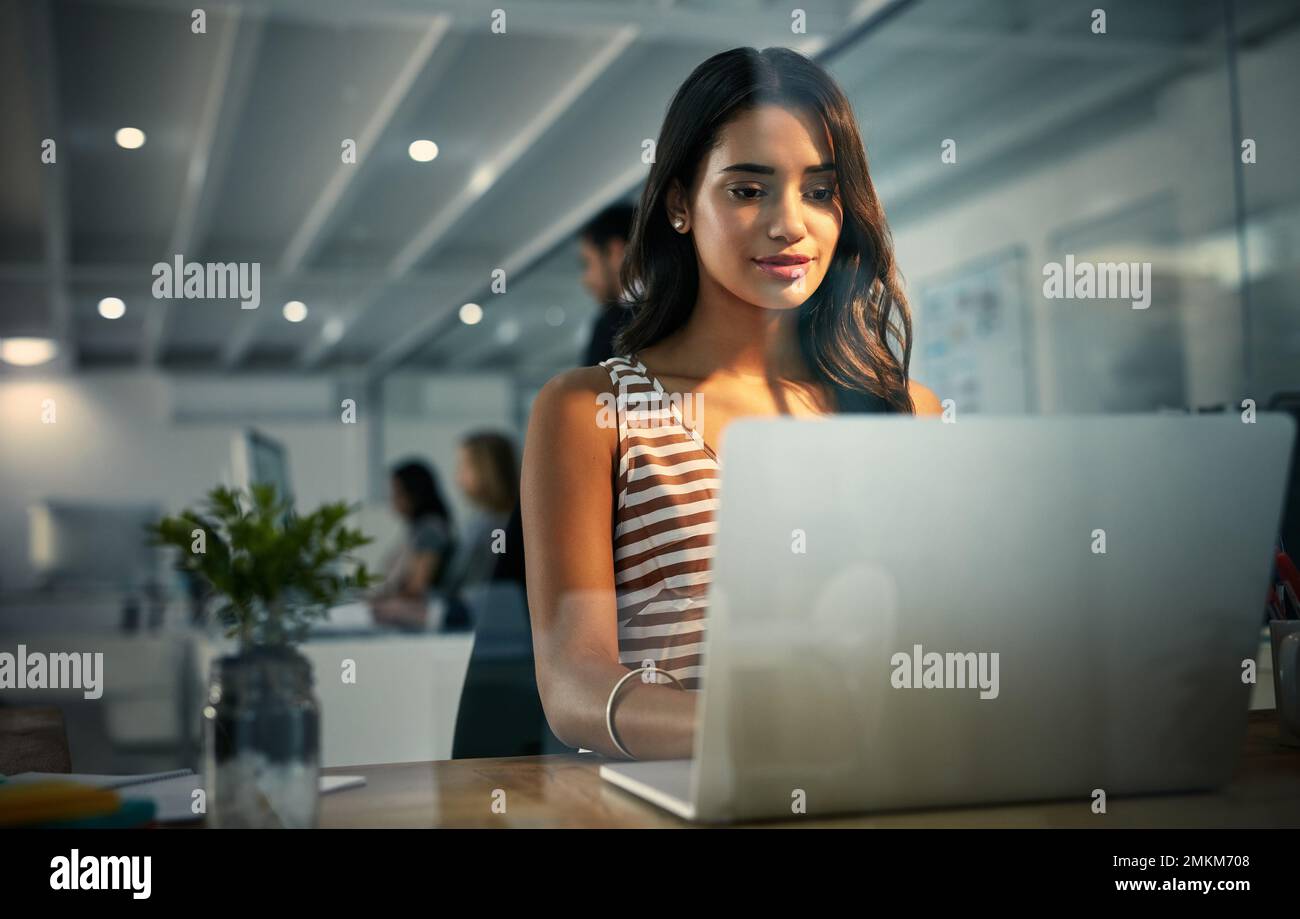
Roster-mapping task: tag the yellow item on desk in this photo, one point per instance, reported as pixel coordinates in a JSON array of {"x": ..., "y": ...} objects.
[{"x": 45, "y": 802}]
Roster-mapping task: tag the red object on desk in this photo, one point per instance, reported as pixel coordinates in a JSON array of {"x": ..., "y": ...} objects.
[{"x": 1286, "y": 569}]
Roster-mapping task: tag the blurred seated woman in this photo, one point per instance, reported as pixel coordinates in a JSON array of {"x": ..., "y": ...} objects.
[
  {"x": 488, "y": 476},
  {"x": 415, "y": 567}
]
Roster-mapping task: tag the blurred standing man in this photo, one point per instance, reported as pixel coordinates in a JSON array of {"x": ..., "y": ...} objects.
[
  {"x": 503, "y": 714},
  {"x": 602, "y": 242}
]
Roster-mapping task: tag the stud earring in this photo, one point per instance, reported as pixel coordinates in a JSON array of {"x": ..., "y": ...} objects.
[{"x": 678, "y": 223}]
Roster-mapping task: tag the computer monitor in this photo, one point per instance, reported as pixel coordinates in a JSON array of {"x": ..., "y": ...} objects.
[
  {"x": 93, "y": 546},
  {"x": 261, "y": 460}
]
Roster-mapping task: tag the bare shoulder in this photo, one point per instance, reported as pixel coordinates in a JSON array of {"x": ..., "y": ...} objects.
[
  {"x": 572, "y": 410},
  {"x": 578, "y": 389},
  {"x": 923, "y": 397}
]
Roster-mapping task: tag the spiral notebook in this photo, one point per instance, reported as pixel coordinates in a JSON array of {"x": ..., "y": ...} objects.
[
  {"x": 171, "y": 792},
  {"x": 98, "y": 781}
]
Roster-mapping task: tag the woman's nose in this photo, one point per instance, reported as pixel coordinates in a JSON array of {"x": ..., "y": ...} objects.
[{"x": 787, "y": 217}]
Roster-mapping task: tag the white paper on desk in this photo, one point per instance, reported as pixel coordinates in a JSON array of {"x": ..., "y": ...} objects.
[
  {"x": 173, "y": 798},
  {"x": 330, "y": 783}
]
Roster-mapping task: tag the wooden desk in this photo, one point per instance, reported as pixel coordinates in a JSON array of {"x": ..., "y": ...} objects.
[{"x": 567, "y": 791}]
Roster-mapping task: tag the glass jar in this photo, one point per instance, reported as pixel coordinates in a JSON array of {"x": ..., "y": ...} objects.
[{"x": 262, "y": 740}]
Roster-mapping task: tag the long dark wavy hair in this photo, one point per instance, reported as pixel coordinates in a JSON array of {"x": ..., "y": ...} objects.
[
  {"x": 846, "y": 325},
  {"x": 420, "y": 483}
]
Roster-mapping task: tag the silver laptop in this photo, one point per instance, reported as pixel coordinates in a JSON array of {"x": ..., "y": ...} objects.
[{"x": 909, "y": 613}]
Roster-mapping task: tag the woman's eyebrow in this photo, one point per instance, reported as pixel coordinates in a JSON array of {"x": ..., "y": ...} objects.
[{"x": 768, "y": 170}]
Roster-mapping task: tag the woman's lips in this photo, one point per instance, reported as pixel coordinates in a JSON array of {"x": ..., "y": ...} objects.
[{"x": 784, "y": 272}]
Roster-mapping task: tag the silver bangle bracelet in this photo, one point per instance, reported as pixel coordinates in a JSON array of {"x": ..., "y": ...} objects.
[{"x": 609, "y": 704}]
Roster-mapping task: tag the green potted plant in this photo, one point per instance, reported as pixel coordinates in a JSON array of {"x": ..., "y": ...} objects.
[{"x": 270, "y": 573}]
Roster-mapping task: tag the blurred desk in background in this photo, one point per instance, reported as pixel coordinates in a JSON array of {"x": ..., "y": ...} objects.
[{"x": 402, "y": 707}]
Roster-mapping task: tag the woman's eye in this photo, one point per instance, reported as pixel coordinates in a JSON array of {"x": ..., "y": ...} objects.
[{"x": 750, "y": 194}]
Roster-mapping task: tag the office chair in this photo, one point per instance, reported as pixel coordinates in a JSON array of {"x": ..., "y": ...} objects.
[
  {"x": 500, "y": 711},
  {"x": 33, "y": 739}
]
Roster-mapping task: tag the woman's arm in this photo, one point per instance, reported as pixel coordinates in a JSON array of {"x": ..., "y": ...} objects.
[
  {"x": 421, "y": 574},
  {"x": 409, "y": 571},
  {"x": 404, "y": 600},
  {"x": 398, "y": 610},
  {"x": 567, "y": 501}
]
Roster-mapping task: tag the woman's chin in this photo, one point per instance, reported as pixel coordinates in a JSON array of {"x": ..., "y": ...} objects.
[{"x": 789, "y": 301}]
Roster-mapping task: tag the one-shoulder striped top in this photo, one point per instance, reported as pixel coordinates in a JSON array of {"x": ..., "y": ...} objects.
[
  {"x": 663, "y": 526},
  {"x": 664, "y": 521}
]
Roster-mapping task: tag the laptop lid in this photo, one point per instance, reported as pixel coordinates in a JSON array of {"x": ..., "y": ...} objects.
[{"x": 909, "y": 613}]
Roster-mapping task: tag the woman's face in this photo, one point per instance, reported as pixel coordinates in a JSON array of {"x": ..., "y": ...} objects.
[
  {"x": 401, "y": 501},
  {"x": 467, "y": 479},
  {"x": 762, "y": 192}
]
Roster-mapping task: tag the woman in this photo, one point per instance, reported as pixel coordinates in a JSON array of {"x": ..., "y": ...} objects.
[
  {"x": 488, "y": 475},
  {"x": 417, "y": 565},
  {"x": 765, "y": 285}
]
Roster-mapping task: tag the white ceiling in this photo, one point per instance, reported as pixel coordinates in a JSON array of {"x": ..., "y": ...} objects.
[{"x": 538, "y": 129}]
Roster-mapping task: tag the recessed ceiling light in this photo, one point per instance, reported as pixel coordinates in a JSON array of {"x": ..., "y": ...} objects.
[
  {"x": 555, "y": 316},
  {"x": 422, "y": 151},
  {"x": 295, "y": 311},
  {"x": 333, "y": 329},
  {"x": 471, "y": 313},
  {"x": 129, "y": 138},
  {"x": 482, "y": 179},
  {"x": 112, "y": 308},
  {"x": 27, "y": 352}
]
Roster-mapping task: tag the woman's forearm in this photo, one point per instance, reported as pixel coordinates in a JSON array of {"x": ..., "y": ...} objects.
[
  {"x": 398, "y": 610},
  {"x": 419, "y": 579},
  {"x": 653, "y": 721}
]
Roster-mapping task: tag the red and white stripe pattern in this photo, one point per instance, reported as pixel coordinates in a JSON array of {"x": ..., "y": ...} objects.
[{"x": 663, "y": 527}]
